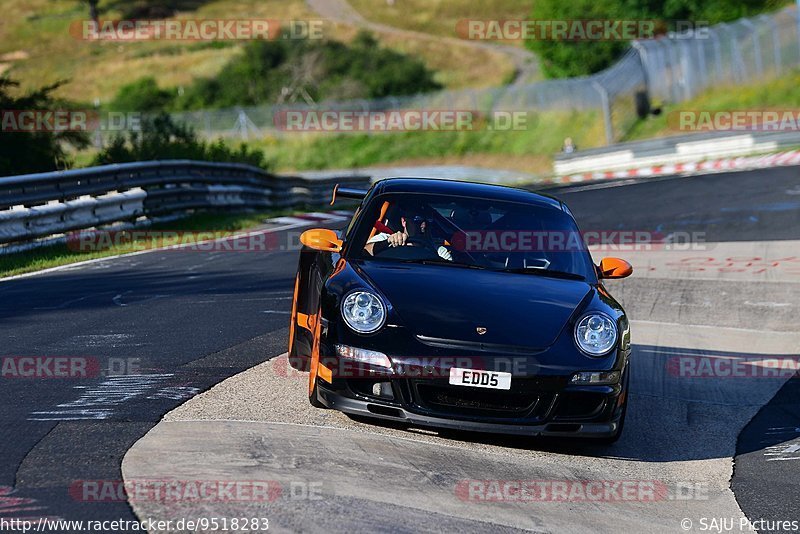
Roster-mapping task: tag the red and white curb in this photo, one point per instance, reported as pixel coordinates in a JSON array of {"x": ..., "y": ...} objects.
[
  {"x": 317, "y": 217},
  {"x": 704, "y": 167}
]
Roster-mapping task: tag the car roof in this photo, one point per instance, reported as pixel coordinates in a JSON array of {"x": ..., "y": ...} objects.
[{"x": 466, "y": 189}]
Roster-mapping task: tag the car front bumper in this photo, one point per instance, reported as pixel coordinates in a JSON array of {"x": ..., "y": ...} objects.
[{"x": 345, "y": 402}]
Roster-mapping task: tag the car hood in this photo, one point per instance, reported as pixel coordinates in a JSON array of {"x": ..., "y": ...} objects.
[{"x": 518, "y": 311}]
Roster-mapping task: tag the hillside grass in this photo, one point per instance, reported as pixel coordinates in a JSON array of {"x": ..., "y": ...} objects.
[
  {"x": 782, "y": 92},
  {"x": 439, "y": 17},
  {"x": 529, "y": 150},
  {"x": 38, "y": 49}
]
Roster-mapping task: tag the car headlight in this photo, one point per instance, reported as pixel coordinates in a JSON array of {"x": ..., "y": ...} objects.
[
  {"x": 596, "y": 334},
  {"x": 363, "y": 311},
  {"x": 363, "y": 356}
]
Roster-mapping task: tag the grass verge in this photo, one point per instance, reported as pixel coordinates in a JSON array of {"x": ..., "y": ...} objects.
[{"x": 542, "y": 138}]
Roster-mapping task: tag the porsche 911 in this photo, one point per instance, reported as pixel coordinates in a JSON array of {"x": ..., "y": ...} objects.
[{"x": 463, "y": 306}]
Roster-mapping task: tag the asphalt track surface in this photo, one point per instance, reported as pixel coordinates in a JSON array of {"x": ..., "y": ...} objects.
[{"x": 191, "y": 319}]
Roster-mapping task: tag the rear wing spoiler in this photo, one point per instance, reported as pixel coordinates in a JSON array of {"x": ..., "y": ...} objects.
[{"x": 346, "y": 192}]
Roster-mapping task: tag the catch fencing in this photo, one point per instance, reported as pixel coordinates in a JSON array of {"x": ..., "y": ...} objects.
[{"x": 671, "y": 68}]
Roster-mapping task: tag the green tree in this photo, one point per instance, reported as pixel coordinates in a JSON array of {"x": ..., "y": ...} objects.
[
  {"x": 143, "y": 95},
  {"x": 284, "y": 71},
  {"x": 562, "y": 59},
  {"x": 161, "y": 138},
  {"x": 38, "y": 151},
  {"x": 577, "y": 58},
  {"x": 152, "y": 9}
]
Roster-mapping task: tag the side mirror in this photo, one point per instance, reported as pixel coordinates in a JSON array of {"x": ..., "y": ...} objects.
[
  {"x": 321, "y": 239},
  {"x": 615, "y": 268}
]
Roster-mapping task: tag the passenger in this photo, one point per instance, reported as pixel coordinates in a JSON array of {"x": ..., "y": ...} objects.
[{"x": 470, "y": 218}]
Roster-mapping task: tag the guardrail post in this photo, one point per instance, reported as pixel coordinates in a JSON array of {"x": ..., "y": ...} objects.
[
  {"x": 606, "y": 104},
  {"x": 797, "y": 18},
  {"x": 702, "y": 72},
  {"x": 687, "y": 70},
  {"x": 756, "y": 46},
  {"x": 737, "y": 63},
  {"x": 644, "y": 62},
  {"x": 717, "y": 54}
]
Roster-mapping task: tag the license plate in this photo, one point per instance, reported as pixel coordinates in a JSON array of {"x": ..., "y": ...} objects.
[{"x": 480, "y": 379}]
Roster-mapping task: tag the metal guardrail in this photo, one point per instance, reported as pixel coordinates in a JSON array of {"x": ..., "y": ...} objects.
[
  {"x": 39, "y": 205},
  {"x": 671, "y": 150}
]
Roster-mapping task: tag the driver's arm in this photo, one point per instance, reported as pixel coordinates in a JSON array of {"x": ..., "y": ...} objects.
[
  {"x": 398, "y": 239},
  {"x": 382, "y": 241}
]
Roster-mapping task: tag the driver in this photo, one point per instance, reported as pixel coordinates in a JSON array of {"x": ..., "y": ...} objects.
[{"x": 413, "y": 234}]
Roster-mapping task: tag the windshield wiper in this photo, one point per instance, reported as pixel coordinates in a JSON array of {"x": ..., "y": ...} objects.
[{"x": 544, "y": 272}]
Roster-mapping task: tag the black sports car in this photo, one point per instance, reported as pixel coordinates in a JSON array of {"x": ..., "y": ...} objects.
[{"x": 462, "y": 305}]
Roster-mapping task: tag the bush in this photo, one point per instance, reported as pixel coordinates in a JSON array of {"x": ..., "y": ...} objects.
[
  {"x": 142, "y": 95},
  {"x": 153, "y": 9},
  {"x": 381, "y": 71},
  {"x": 707, "y": 11},
  {"x": 161, "y": 138},
  {"x": 562, "y": 59},
  {"x": 29, "y": 152},
  {"x": 285, "y": 70},
  {"x": 251, "y": 78}
]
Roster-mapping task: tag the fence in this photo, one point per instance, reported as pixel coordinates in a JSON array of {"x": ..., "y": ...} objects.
[
  {"x": 671, "y": 68},
  {"x": 39, "y": 205},
  {"x": 749, "y": 49}
]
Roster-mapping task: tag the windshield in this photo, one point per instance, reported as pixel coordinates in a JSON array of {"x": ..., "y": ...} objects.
[{"x": 472, "y": 233}]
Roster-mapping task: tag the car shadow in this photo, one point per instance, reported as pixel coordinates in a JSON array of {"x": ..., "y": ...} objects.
[{"x": 682, "y": 407}]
